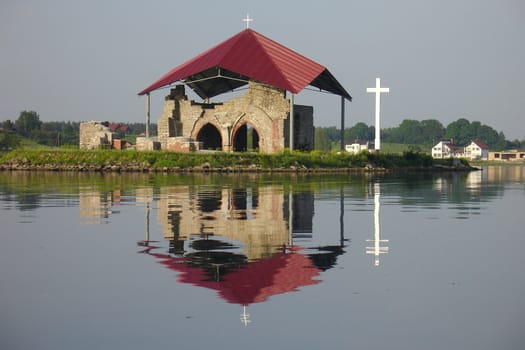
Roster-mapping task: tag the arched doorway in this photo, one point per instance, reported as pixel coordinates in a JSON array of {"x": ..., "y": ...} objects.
[
  {"x": 246, "y": 138},
  {"x": 210, "y": 137}
]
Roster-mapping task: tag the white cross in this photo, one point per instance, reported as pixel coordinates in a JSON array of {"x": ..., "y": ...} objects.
[
  {"x": 247, "y": 20},
  {"x": 378, "y": 90}
]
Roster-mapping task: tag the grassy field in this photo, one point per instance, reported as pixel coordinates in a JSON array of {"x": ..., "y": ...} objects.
[{"x": 399, "y": 148}]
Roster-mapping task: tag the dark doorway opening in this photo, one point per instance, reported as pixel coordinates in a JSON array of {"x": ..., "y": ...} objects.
[
  {"x": 210, "y": 137},
  {"x": 246, "y": 139}
]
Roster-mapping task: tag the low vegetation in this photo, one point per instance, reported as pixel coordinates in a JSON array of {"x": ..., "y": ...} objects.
[{"x": 130, "y": 160}]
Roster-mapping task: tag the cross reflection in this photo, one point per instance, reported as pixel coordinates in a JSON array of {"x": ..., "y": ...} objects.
[
  {"x": 377, "y": 249},
  {"x": 245, "y": 317}
]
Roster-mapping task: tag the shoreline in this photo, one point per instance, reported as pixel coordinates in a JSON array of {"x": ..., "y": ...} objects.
[
  {"x": 102, "y": 161},
  {"x": 206, "y": 168}
]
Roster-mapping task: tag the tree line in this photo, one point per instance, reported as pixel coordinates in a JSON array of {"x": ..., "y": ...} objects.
[
  {"x": 29, "y": 126},
  {"x": 425, "y": 133}
]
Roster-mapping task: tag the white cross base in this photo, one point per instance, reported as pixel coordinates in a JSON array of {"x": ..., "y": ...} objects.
[{"x": 378, "y": 90}]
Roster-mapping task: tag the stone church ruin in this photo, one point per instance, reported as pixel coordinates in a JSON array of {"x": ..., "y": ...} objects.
[
  {"x": 256, "y": 121},
  {"x": 263, "y": 118}
]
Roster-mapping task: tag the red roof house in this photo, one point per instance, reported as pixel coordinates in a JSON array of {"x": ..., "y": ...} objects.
[{"x": 477, "y": 149}]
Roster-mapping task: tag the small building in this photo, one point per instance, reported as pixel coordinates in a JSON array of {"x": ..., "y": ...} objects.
[
  {"x": 447, "y": 149},
  {"x": 512, "y": 155},
  {"x": 477, "y": 150},
  {"x": 359, "y": 145}
]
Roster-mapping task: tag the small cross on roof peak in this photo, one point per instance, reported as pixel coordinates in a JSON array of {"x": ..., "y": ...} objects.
[{"x": 247, "y": 20}]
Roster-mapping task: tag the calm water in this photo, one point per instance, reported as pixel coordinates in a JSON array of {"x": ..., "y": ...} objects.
[{"x": 416, "y": 261}]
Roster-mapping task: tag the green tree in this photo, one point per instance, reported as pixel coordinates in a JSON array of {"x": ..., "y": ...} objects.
[
  {"x": 8, "y": 125},
  {"x": 410, "y": 131},
  {"x": 27, "y": 122},
  {"x": 459, "y": 131},
  {"x": 491, "y": 137},
  {"x": 463, "y": 132},
  {"x": 432, "y": 131},
  {"x": 334, "y": 134},
  {"x": 501, "y": 143},
  {"x": 360, "y": 131},
  {"x": 8, "y": 141},
  {"x": 322, "y": 142}
]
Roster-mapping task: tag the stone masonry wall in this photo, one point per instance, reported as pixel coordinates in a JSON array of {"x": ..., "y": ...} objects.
[
  {"x": 265, "y": 108},
  {"x": 94, "y": 134}
]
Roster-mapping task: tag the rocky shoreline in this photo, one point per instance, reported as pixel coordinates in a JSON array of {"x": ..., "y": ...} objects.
[{"x": 206, "y": 167}]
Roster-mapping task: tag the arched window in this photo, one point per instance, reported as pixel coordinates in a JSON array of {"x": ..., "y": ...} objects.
[
  {"x": 210, "y": 137},
  {"x": 246, "y": 138}
]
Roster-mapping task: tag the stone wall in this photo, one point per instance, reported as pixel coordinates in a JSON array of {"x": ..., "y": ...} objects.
[
  {"x": 147, "y": 144},
  {"x": 169, "y": 124},
  {"x": 265, "y": 109},
  {"x": 94, "y": 135},
  {"x": 182, "y": 144}
]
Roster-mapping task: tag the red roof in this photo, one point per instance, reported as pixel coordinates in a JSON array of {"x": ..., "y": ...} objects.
[
  {"x": 113, "y": 126},
  {"x": 249, "y": 55},
  {"x": 253, "y": 283},
  {"x": 481, "y": 144}
]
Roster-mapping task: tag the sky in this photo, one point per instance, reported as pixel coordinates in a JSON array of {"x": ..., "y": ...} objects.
[{"x": 445, "y": 60}]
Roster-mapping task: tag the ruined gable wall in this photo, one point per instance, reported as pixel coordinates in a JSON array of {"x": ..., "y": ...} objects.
[{"x": 93, "y": 135}]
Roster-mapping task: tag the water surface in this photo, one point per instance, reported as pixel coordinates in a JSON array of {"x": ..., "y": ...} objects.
[{"x": 396, "y": 261}]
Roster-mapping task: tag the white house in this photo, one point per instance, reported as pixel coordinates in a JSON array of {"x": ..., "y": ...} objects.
[
  {"x": 447, "y": 149},
  {"x": 358, "y": 146},
  {"x": 477, "y": 150}
]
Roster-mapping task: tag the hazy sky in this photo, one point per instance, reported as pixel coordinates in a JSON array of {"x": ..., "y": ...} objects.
[{"x": 447, "y": 59}]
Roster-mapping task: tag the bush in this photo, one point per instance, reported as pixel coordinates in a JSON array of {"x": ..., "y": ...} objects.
[{"x": 8, "y": 141}]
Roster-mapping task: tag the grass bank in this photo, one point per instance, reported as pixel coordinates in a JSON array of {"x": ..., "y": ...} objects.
[
  {"x": 479, "y": 163},
  {"x": 130, "y": 160}
]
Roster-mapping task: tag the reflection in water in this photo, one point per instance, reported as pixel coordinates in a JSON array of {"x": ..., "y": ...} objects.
[
  {"x": 251, "y": 218},
  {"x": 253, "y": 241},
  {"x": 250, "y": 241},
  {"x": 95, "y": 206},
  {"x": 377, "y": 249},
  {"x": 501, "y": 174},
  {"x": 216, "y": 234},
  {"x": 246, "y": 244}
]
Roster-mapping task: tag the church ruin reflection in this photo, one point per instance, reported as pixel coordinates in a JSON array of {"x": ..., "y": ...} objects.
[
  {"x": 245, "y": 243},
  {"x": 95, "y": 206}
]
